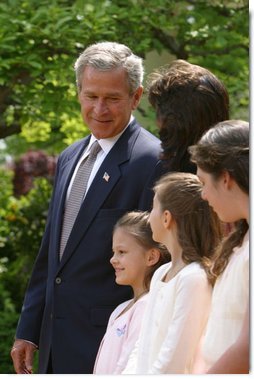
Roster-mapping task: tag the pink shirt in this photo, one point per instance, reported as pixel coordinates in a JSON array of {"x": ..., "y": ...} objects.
[{"x": 120, "y": 337}]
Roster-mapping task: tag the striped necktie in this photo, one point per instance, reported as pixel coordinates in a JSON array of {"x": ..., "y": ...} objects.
[{"x": 76, "y": 195}]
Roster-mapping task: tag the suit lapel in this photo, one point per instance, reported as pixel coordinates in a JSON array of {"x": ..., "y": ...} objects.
[{"x": 101, "y": 188}]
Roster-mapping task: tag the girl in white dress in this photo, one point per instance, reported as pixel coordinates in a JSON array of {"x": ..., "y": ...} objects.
[
  {"x": 135, "y": 258},
  {"x": 222, "y": 158},
  {"x": 180, "y": 291}
]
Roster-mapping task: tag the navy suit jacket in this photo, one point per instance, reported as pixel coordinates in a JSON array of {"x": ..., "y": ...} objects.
[{"x": 68, "y": 303}]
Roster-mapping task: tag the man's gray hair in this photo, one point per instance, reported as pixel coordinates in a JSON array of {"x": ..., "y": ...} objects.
[{"x": 106, "y": 56}]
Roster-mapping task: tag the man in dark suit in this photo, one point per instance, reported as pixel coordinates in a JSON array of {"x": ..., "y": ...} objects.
[{"x": 72, "y": 290}]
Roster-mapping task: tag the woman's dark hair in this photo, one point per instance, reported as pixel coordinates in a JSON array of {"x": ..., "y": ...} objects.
[
  {"x": 225, "y": 147},
  {"x": 136, "y": 223},
  {"x": 198, "y": 227},
  {"x": 188, "y": 100}
]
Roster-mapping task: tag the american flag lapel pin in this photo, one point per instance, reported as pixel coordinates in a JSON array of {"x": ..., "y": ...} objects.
[{"x": 106, "y": 176}]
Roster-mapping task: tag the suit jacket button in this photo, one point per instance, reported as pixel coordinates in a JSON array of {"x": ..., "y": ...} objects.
[{"x": 58, "y": 280}]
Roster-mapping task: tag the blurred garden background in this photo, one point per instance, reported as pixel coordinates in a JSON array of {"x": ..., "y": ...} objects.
[{"x": 39, "y": 111}]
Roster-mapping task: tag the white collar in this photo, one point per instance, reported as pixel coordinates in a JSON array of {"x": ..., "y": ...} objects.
[{"x": 107, "y": 143}]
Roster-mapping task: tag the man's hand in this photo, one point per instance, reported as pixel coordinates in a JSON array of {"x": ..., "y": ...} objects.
[{"x": 22, "y": 354}]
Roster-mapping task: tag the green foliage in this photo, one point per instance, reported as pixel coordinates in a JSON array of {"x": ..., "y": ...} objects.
[
  {"x": 41, "y": 41},
  {"x": 5, "y": 196},
  {"x": 39, "y": 44},
  {"x": 23, "y": 223},
  {"x": 8, "y": 323},
  {"x": 220, "y": 42}
]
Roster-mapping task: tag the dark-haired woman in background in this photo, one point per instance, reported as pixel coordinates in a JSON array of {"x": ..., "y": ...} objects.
[{"x": 188, "y": 100}]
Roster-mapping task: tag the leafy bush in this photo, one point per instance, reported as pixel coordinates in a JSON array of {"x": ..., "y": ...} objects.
[
  {"x": 32, "y": 164},
  {"x": 5, "y": 195},
  {"x": 22, "y": 223},
  {"x": 8, "y": 322},
  {"x": 25, "y": 219}
]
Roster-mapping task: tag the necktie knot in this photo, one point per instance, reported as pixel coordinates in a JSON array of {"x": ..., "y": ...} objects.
[{"x": 95, "y": 148}]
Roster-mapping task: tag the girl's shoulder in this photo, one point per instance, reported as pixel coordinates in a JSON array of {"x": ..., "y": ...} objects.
[
  {"x": 243, "y": 250},
  {"x": 240, "y": 256},
  {"x": 193, "y": 278},
  {"x": 238, "y": 264},
  {"x": 161, "y": 271},
  {"x": 140, "y": 304},
  {"x": 191, "y": 271},
  {"x": 193, "y": 267},
  {"x": 120, "y": 308}
]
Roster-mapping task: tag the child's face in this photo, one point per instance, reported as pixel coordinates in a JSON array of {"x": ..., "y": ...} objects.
[
  {"x": 156, "y": 221},
  {"x": 129, "y": 259}
]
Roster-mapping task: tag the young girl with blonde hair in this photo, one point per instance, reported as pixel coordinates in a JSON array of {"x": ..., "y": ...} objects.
[{"x": 135, "y": 258}]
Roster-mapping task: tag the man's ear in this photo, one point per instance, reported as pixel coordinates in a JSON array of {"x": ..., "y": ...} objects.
[
  {"x": 137, "y": 97},
  {"x": 153, "y": 257}
]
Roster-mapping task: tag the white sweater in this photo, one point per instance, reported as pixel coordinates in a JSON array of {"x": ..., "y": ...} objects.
[{"x": 173, "y": 323}]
